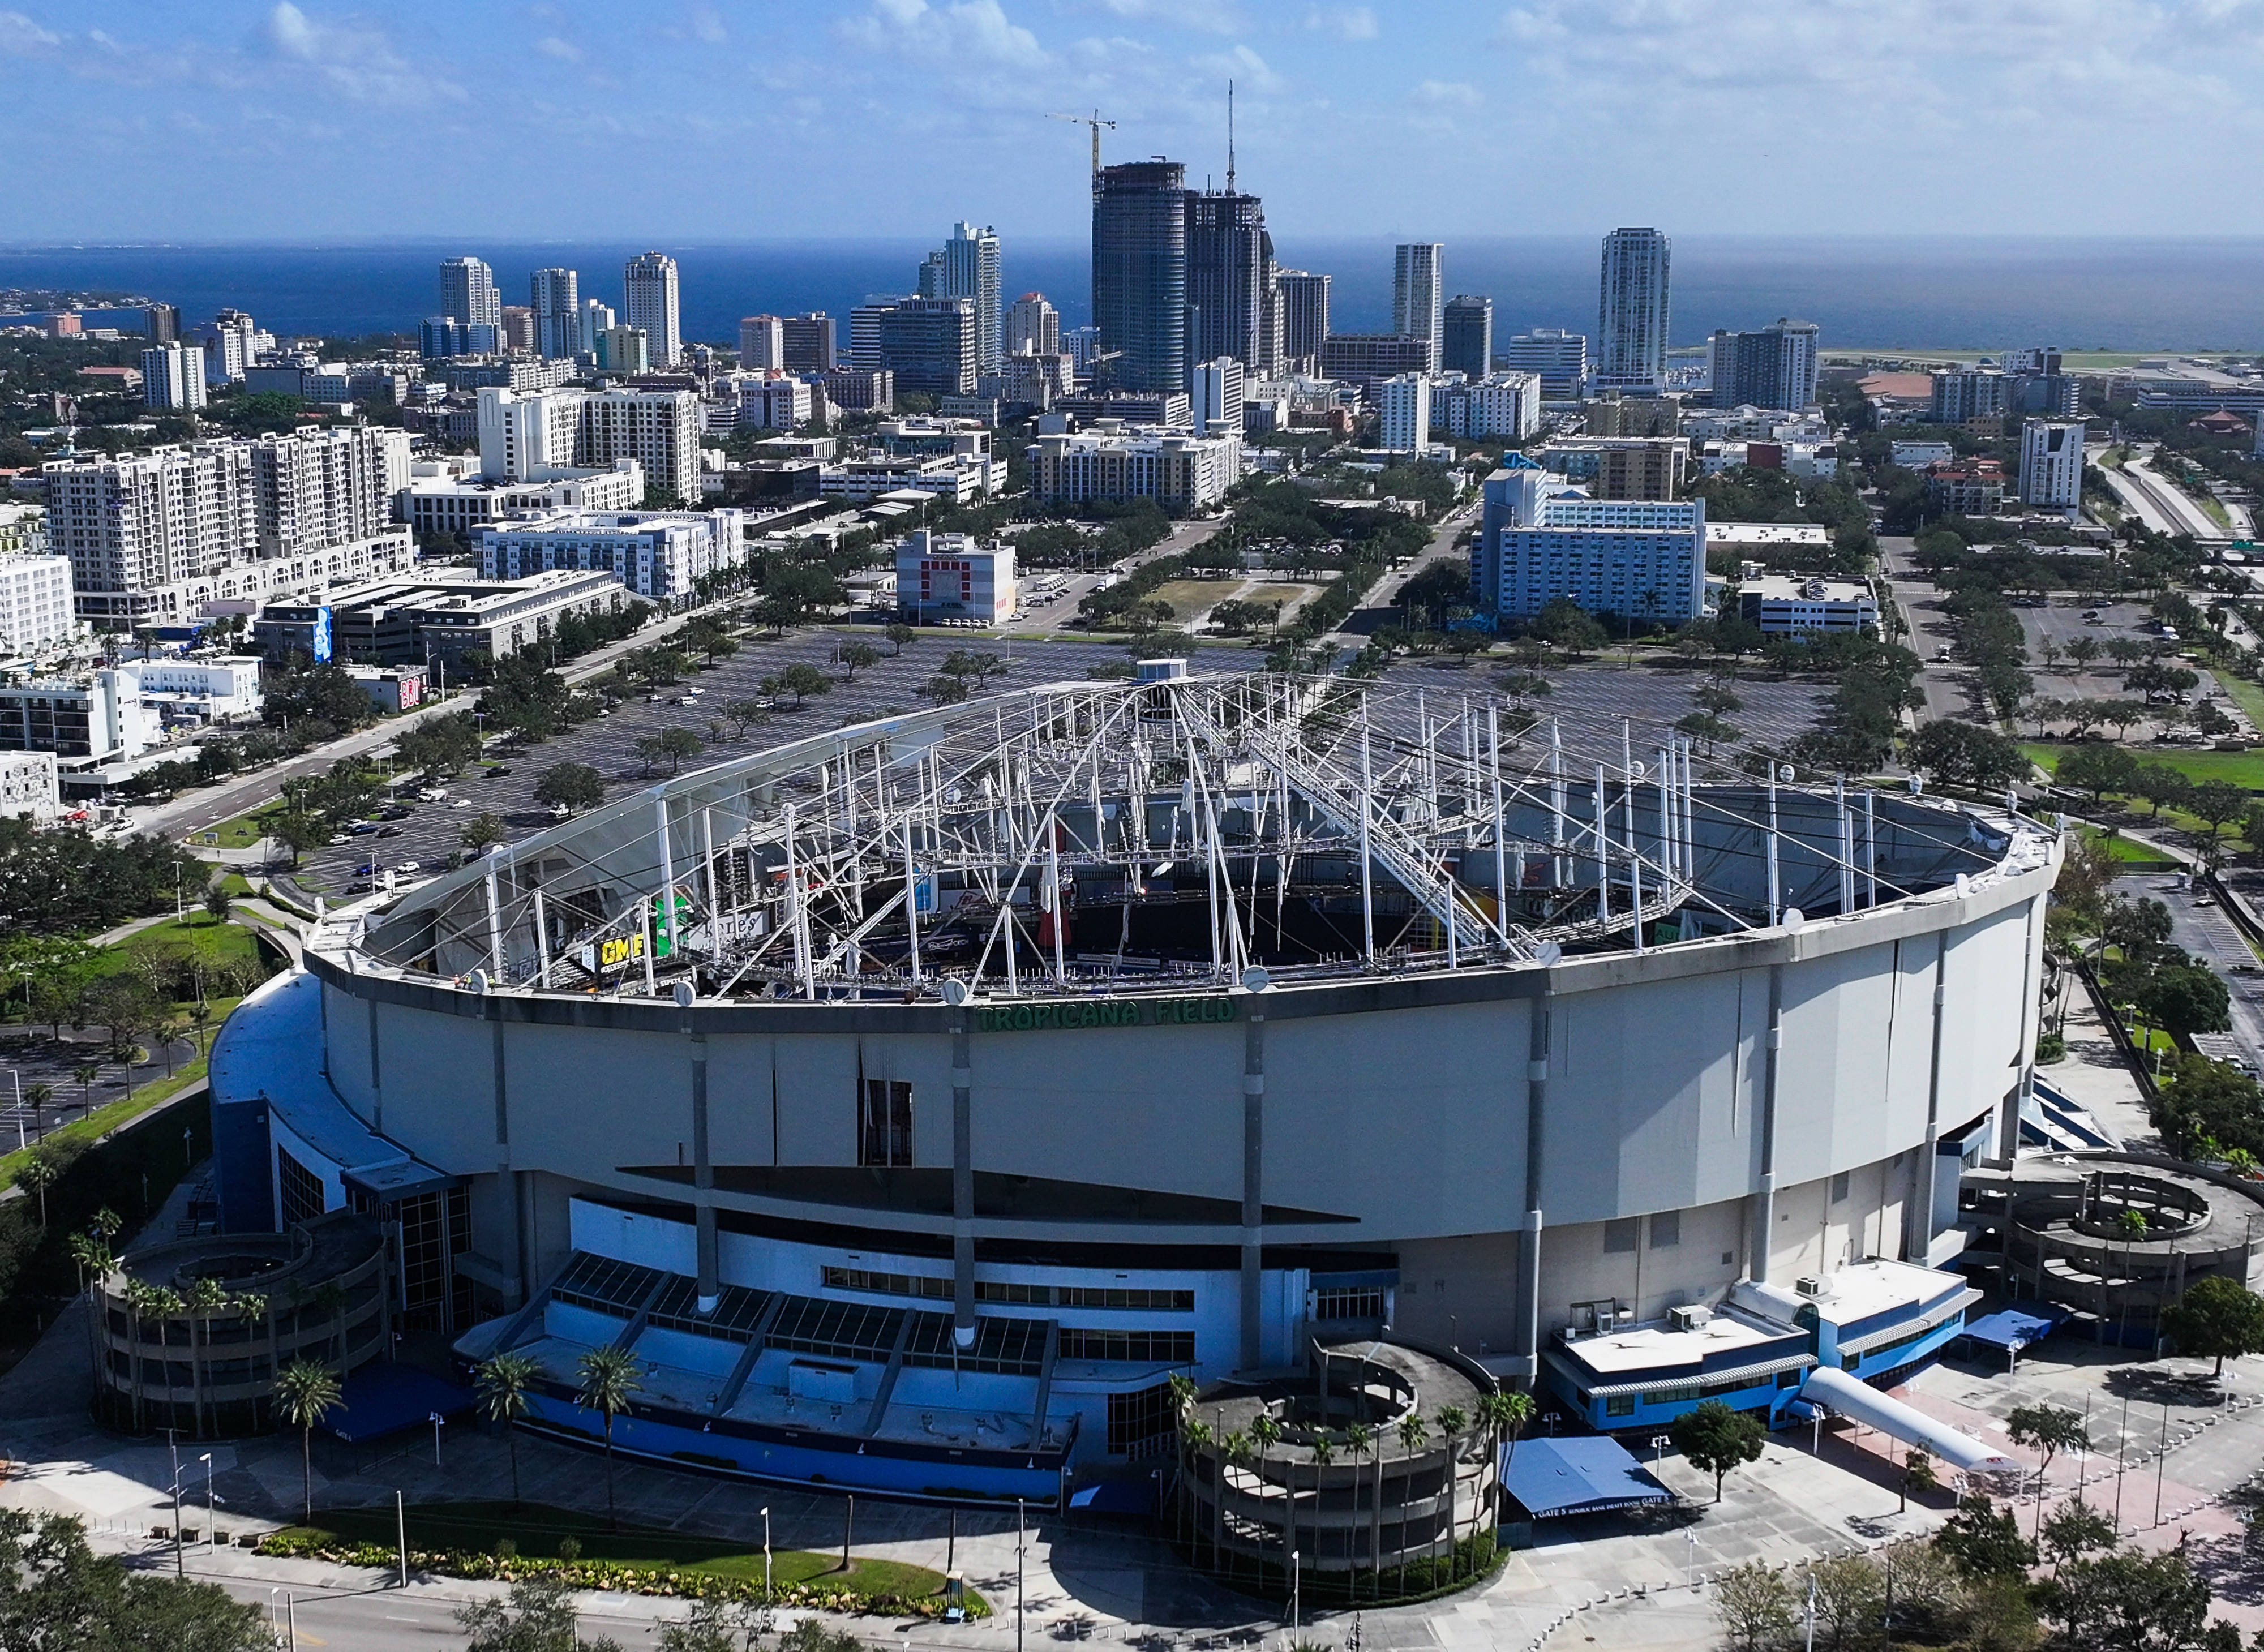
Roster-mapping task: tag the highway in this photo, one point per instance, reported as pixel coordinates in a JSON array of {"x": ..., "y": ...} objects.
[{"x": 2151, "y": 498}]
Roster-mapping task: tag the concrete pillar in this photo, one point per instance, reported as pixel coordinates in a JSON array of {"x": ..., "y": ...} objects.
[
  {"x": 376, "y": 1074},
  {"x": 1528, "y": 1241},
  {"x": 703, "y": 1177},
  {"x": 513, "y": 1242},
  {"x": 1254, "y": 1189},
  {"x": 1918, "y": 1224},
  {"x": 1764, "y": 1202},
  {"x": 2008, "y": 1119},
  {"x": 962, "y": 1183}
]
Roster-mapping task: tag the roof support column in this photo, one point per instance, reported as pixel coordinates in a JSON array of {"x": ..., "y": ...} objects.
[
  {"x": 1254, "y": 1189},
  {"x": 703, "y": 1180},
  {"x": 1528, "y": 1243},
  {"x": 962, "y": 1183},
  {"x": 1764, "y": 1200},
  {"x": 1917, "y": 1221}
]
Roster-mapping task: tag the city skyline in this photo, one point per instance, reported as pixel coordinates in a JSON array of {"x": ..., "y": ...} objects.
[{"x": 1342, "y": 111}]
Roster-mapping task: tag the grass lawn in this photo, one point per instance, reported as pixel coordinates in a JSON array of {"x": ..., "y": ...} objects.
[
  {"x": 2244, "y": 769},
  {"x": 2242, "y": 692},
  {"x": 241, "y": 832},
  {"x": 2121, "y": 848},
  {"x": 111, "y": 1115},
  {"x": 198, "y": 935},
  {"x": 537, "y": 1531},
  {"x": 1190, "y": 597}
]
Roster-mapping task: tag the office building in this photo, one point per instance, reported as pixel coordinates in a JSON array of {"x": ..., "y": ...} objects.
[
  {"x": 967, "y": 267},
  {"x": 1542, "y": 537},
  {"x": 595, "y": 320},
  {"x": 1790, "y": 604},
  {"x": 650, "y": 301},
  {"x": 623, "y": 350},
  {"x": 865, "y": 329},
  {"x": 961, "y": 477},
  {"x": 554, "y": 297},
  {"x": 1403, "y": 405},
  {"x": 1214, "y": 396},
  {"x": 543, "y": 435},
  {"x": 441, "y": 497},
  {"x": 2051, "y": 465},
  {"x": 860, "y": 390},
  {"x": 177, "y": 692},
  {"x": 410, "y": 620},
  {"x": 1140, "y": 275},
  {"x": 469, "y": 293},
  {"x": 36, "y": 610},
  {"x": 1368, "y": 358},
  {"x": 660, "y": 555},
  {"x": 1968, "y": 393},
  {"x": 762, "y": 344},
  {"x": 1182, "y": 473},
  {"x": 161, "y": 324},
  {"x": 1032, "y": 327},
  {"x": 1505, "y": 405},
  {"x": 1229, "y": 275},
  {"x": 1174, "y": 411},
  {"x": 1632, "y": 310},
  {"x": 231, "y": 342},
  {"x": 2034, "y": 382},
  {"x": 954, "y": 576},
  {"x": 1774, "y": 367},
  {"x": 1467, "y": 340},
  {"x": 1303, "y": 300},
  {"x": 519, "y": 334},
  {"x": 1561, "y": 359},
  {"x": 1418, "y": 296},
  {"x": 931, "y": 344},
  {"x": 808, "y": 341},
  {"x": 441, "y": 337},
  {"x": 777, "y": 404},
  {"x": 173, "y": 377}
]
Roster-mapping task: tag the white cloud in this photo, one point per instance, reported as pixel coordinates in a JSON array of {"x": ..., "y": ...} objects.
[
  {"x": 564, "y": 51},
  {"x": 20, "y": 36},
  {"x": 1353, "y": 22},
  {"x": 976, "y": 32},
  {"x": 707, "y": 26},
  {"x": 1208, "y": 16},
  {"x": 356, "y": 59},
  {"x": 1448, "y": 94},
  {"x": 1249, "y": 70}
]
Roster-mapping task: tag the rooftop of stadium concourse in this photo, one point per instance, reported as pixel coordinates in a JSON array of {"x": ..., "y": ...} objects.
[{"x": 1095, "y": 840}]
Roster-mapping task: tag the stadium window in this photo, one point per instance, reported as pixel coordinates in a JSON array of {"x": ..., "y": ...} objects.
[
  {"x": 1621, "y": 1235},
  {"x": 301, "y": 1188},
  {"x": 1667, "y": 1230},
  {"x": 884, "y": 1135},
  {"x": 1619, "y": 1405},
  {"x": 1839, "y": 1187}
]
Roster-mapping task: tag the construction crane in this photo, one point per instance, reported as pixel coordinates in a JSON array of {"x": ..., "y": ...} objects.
[{"x": 1096, "y": 123}]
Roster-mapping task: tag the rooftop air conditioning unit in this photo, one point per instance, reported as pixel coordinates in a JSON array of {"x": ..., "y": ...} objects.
[
  {"x": 1689, "y": 1317},
  {"x": 1816, "y": 1285}
]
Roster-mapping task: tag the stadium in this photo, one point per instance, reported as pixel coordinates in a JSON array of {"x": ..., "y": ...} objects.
[{"x": 917, "y": 1098}]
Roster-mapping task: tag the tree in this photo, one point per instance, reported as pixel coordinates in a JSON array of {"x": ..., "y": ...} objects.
[
  {"x": 898, "y": 634},
  {"x": 1848, "y": 1592},
  {"x": 86, "y": 1073},
  {"x": 218, "y": 903},
  {"x": 1965, "y": 754},
  {"x": 611, "y": 1378},
  {"x": 1713, "y": 1437},
  {"x": 2048, "y": 1429},
  {"x": 801, "y": 679},
  {"x": 854, "y": 657},
  {"x": 1918, "y": 1476},
  {"x": 2217, "y": 1317},
  {"x": 2216, "y": 801},
  {"x": 540, "y": 1616},
  {"x": 2074, "y": 1530},
  {"x": 506, "y": 1384},
  {"x": 483, "y": 829},
  {"x": 39, "y": 1171},
  {"x": 1755, "y": 1606},
  {"x": 300, "y": 831},
  {"x": 2132, "y": 1602},
  {"x": 944, "y": 689},
  {"x": 713, "y": 1626},
  {"x": 305, "y": 1394},
  {"x": 2097, "y": 770},
  {"x": 1567, "y": 626},
  {"x": 56, "y": 1593},
  {"x": 1703, "y": 725},
  {"x": 2185, "y": 999},
  {"x": 573, "y": 785},
  {"x": 2159, "y": 784},
  {"x": 1984, "y": 1542}
]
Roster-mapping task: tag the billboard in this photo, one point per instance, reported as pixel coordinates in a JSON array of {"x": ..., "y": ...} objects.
[{"x": 320, "y": 639}]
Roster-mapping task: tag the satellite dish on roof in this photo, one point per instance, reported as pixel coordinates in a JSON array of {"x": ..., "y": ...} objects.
[
  {"x": 477, "y": 980},
  {"x": 683, "y": 995},
  {"x": 1255, "y": 978},
  {"x": 1548, "y": 952},
  {"x": 1795, "y": 919},
  {"x": 955, "y": 992}
]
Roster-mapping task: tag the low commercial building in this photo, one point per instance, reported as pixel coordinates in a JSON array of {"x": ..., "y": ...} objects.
[
  {"x": 1788, "y": 604},
  {"x": 29, "y": 788},
  {"x": 959, "y": 477},
  {"x": 1173, "y": 410},
  {"x": 954, "y": 576},
  {"x": 391, "y": 688},
  {"x": 36, "y": 610},
  {"x": 661, "y": 555},
  {"x": 440, "y": 498},
  {"x": 1181, "y": 472},
  {"x": 94, "y": 718},
  {"x": 403, "y": 621},
  {"x": 183, "y": 691}
]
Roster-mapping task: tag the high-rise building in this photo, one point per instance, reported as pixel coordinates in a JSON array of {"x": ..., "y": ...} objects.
[
  {"x": 1542, "y": 537},
  {"x": 1214, "y": 396},
  {"x": 1774, "y": 367},
  {"x": 518, "y": 331},
  {"x": 1632, "y": 309},
  {"x": 596, "y": 318},
  {"x": 1032, "y": 327},
  {"x": 230, "y": 344},
  {"x": 2051, "y": 465},
  {"x": 1140, "y": 276},
  {"x": 1229, "y": 271},
  {"x": 1417, "y": 295},
  {"x": 650, "y": 301},
  {"x": 173, "y": 377},
  {"x": 1560, "y": 358},
  {"x": 932, "y": 344},
  {"x": 865, "y": 330},
  {"x": 762, "y": 344},
  {"x": 554, "y": 297},
  {"x": 622, "y": 348},
  {"x": 161, "y": 324},
  {"x": 439, "y": 337},
  {"x": 1468, "y": 346},
  {"x": 467, "y": 292},
  {"x": 1968, "y": 393},
  {"x": 1403, "y": 403},
  {"x": 2035, "y": 383},
  {"x": 536, "y": 435},
  {"x": 1303, "y": 303},
  {"x": 1368, "y": 358},
  {"x": 808, "y": 341},
  {"x": 967, "y": 267}
]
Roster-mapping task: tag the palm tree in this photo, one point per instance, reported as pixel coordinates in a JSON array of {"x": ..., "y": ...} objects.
[
  {"x": 40, "y": 1172},
  {"x": 1452, "y": 1421},
  {"x": 305, "y": 1394},
  {"x": 1509, "y": 1413},
  {"x": 168, "y": 1031},
  {"x": 205, "y": 1298},
  {"x": 36, "y": 1096},
  {"x": 505, "y": 1381},
  {"x": 1324, "y": 1453},
  {"x": 1237, "y": 1456},
  {"x": 1195, "y": 1435},
  {"x": 1412, "y": 1432},
  {"x": 86, "y": 1073},
  {"x": 1358, "y": 1439},
  {"x": 1265, "y": 1428},
  {"x": 609, "y": 1379}
]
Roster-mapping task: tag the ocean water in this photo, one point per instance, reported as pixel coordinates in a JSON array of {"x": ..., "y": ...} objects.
[{"x": 1912, "y": 292}]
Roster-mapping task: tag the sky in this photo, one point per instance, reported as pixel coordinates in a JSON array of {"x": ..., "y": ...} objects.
[{"x": 306, "y": 120}]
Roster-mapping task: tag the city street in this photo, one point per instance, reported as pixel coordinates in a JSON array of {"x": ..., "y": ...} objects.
[{"x": 2151, "y": 497}]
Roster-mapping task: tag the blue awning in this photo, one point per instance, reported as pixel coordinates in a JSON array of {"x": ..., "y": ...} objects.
[
  {"x": 1578, "y": 1474},
  {"x": 383, "y": 1396},
  {"x": 2014, "y": 1328}
]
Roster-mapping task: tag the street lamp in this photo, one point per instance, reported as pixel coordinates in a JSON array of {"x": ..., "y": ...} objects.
[
  {"x": 205, "y": 1459},
  {"x": 434, "y": 1419},
  {"x": 766, "y": 1555},
  {"x": 1297, "y": 1584}
]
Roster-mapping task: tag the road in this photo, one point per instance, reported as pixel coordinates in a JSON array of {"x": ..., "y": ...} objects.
[
  {"x": 1055, "y": 615},
  {"x": 1943, "y": 683},
  {"x": 387, "y": 1620},
  {"x": 2199, "y": 925},
  {"x": 1377, "y": 604},
  {"x": 2162, "y": 507}
]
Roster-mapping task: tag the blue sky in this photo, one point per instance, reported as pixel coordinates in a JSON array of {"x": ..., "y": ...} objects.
[{"x": 304, "y": 119}]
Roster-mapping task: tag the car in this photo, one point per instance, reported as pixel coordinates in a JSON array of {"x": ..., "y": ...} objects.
[
  {"x": 431, "y": 795},
  {"x": 388, "y": 832},
  {"x": 464, "y": 803},
  {"x": 362, "y": 827},
  {"x": 339, "y": 837},
  {"x": 406, "y": 865},
  {"x": 559, "y": 811},
  {"x": 2091, "y": 613},
  {"x": 499, "y": 771},
  {"x": 398, "y": 811}
]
